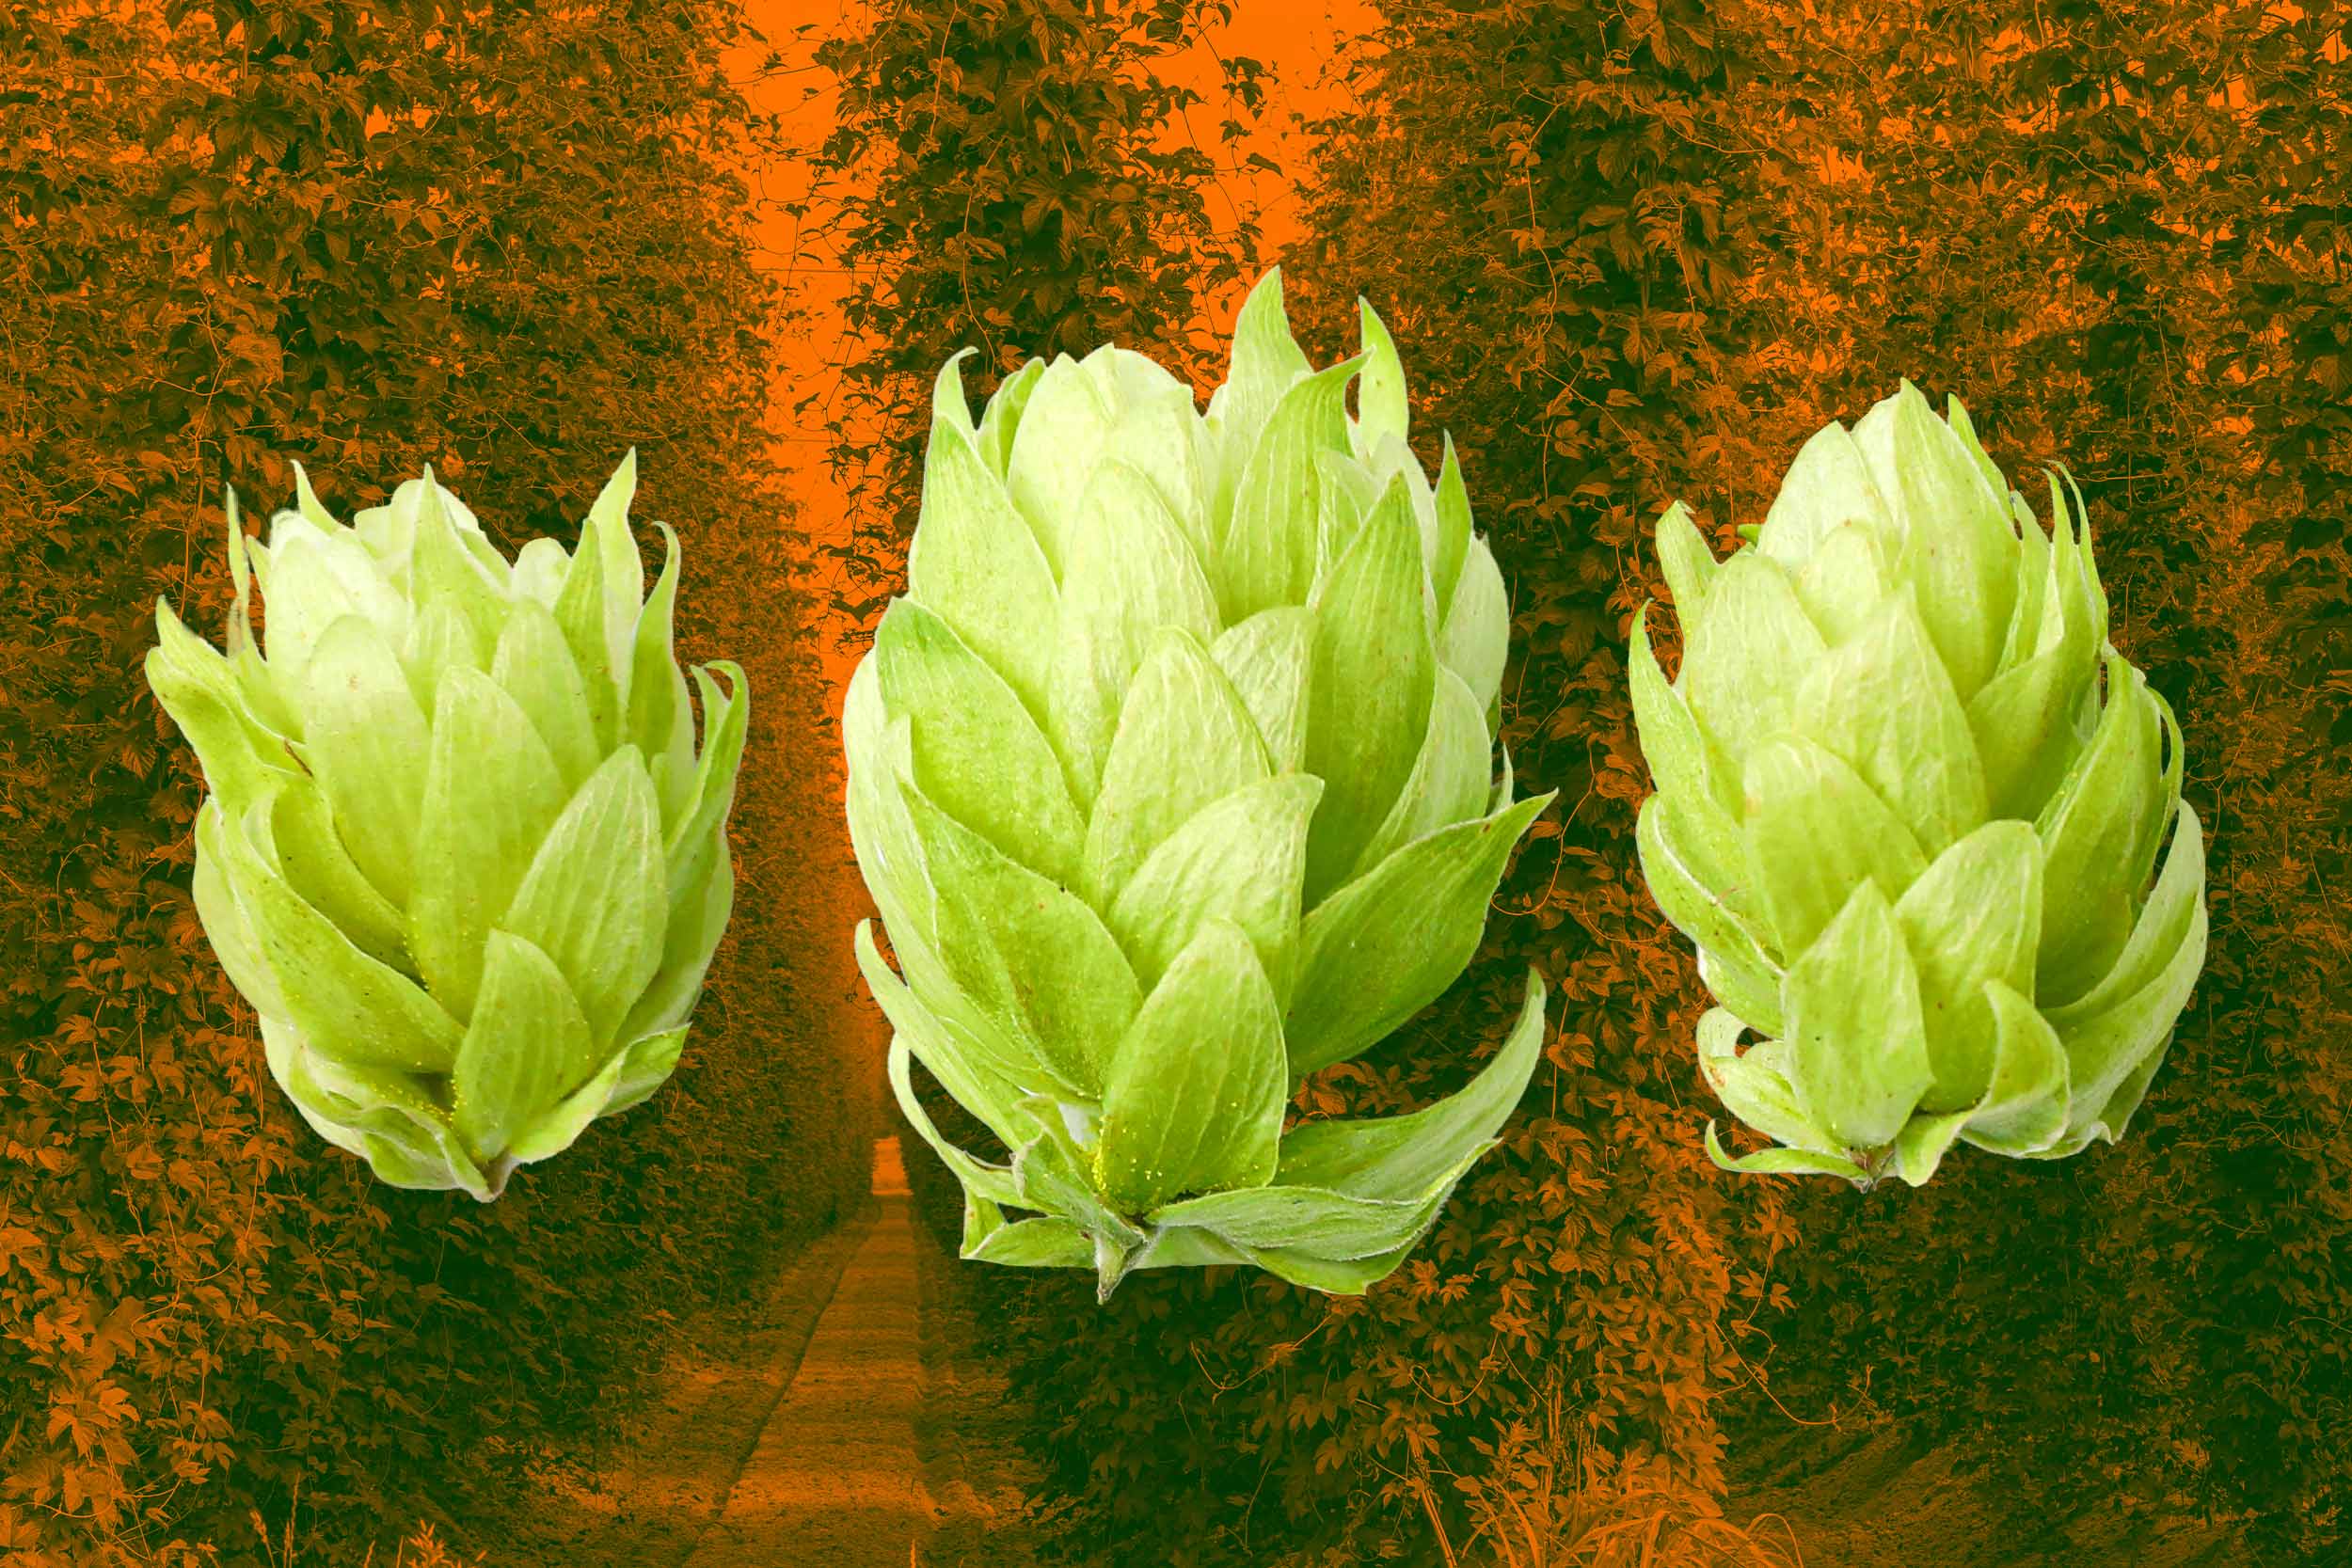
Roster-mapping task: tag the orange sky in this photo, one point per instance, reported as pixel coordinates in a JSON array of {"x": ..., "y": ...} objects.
[{"x": 1295, "y": 39}]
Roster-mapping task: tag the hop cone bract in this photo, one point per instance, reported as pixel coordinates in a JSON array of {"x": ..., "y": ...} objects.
[
  {"x": 1172, "y": 776},
  {"x": 460, "y": 850},
  {"x": 1910, "y": 805}
]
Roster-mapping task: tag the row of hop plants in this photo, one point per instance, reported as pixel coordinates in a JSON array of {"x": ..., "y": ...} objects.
[
  {"x": 214, "y": 1317},
  {"x": 1174, "y": 778},
  {"x": 1665, "y": 247}
]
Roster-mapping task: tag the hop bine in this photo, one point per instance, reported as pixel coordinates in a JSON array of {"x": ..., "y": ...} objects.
[
  {"x": 1172, "y": 778},
  {"x": 1909, "y": 807},
  {"x": 460, "y": 850}
]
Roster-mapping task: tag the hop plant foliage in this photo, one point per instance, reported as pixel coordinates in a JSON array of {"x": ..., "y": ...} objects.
[
  {"x": 1910, "y": 803},
  {"x": 460, "y": 850},
  {"x": 1173, "y": 775}
]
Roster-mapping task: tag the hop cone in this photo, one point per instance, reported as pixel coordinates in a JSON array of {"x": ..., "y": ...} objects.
[
  {"x": 1172, "y": 778},
  {"x": 458, "y": 851},
  {"x": 1910, "y": 803}
]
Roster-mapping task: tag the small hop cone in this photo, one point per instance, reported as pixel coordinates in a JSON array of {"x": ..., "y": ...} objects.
[
  {"x": 459, "y": 849},
  {"x": 1910, "y": 807},
  {"x": 1174, "y": 778}
]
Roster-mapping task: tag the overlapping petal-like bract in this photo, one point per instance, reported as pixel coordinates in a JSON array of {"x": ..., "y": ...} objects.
[
  {"x": 460, "y": 850},
  {"x": 1910, "y": 805},
  {"x": 1172, "y": 776}
]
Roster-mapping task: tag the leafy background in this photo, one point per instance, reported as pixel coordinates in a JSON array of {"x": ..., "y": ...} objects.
[{"x": 1633, "y": 250}]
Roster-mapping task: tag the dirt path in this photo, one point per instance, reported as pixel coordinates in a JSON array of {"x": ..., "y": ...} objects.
[
  {"x": 836, "y": 1476},
  {"x": 839, "y": 1420}
]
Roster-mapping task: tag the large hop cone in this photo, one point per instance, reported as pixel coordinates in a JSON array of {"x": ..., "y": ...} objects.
[
  {"x": 1910, "y": 807},
  {"x": 1174, "y": 778},
  {"x": 460, "y": 852}
]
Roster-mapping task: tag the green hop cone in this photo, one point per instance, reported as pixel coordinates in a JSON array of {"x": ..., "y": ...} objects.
[
  {"x": 1172, "y": 776},
  {"x": 1910, "y": 805},
  {"x": 458, "y": 850}
]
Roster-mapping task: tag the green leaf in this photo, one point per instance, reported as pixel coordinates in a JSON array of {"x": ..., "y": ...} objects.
[
  {"x": 1266, "y": 553},
  {"x": 2023, "y": 725},
  {"x": 1453, "y": 527},
  {"x": 316, "y": 579},
  {"x": 1405, "y": 1157},
  {"x": 595, "y": 899},
  {"x": 1002, "y": 417},
  {"x": 1241, "y": 859},
  {"x": 539, "y": 570},
  {"x": 2036, "y": 613},
  {"x": 1027, "y": 950},
  {"x": 1337, "y": 1276},
  {"x": 1922, "y": 1144},
  {"x": 1814, "y": 830},
  {"x": 368, "y": 746},
  {"x": 2106, "y": 1047},
  {"x": 1450, "y": 779},
  {"x": 200, "y": 690},
  {"x": 976, "y": 563},
  {"x": 646, "y": 1066},
  {"x": 440, "y": 639},
  {"x": 441, "y": 571},
  {"x": 1130, "y": 575},
  {"x": 992, "y": 1182},
  {"x": 949, "y": 410},
  {"x": 977, "y": 751},
  {"x": 698, "y": 834},
  {"x": 1380, "y": 400},
  {"x": 1185, "y": 739},
  {"x": 877, "y": 752},
  {"x": 1374, "y": 675},
  {"x": 2024, "y": 1108},
  {"x": 1474, "y": 640},
  {"x": 1157, "y": 434},
  {"x": 1269, "y": 658},
  {"x": 2163, "y": 926},
  {"x": 491, "y": 793},
  {"x": 1974, "y": 916},
  {"x": 1858, "y": 1047},
  {"x": 1385, "y": 945},
  {"x": 1689, "y": 565},
  {"x": 1670, "y": 738},
  {"x": 1881, "y": 703},
  {"x": 1845, "y": 582},
  {"x": 1193, "y": 1097},
  {"x": 535, "y": 667},
  {"x": 311, "y": 856},
  {"x": 1960, "y": 547},
  {"x": 970, "y": 1069},
  {"x": 347, "y": 1003},
  {"x": 227, "y": 926},
  {"x": 1754, "y": 1084},
  {"x": 1696, "y": 865},
  {"x": 1043, "y": 1242},
  {"x": 698, "y": 917},
  {"x": 1265, "y": 361},
  {"x": 1056, "y": 447},
  {"x": 2094, "y": 831},
  {"x": 1781, "y": 1161},
  {"x": 526, "y": 1048},
  {"x": 1828, "y": 486},
  {"x": 1316, "y": 1221},
  {"x": 1746, "y": 652},
  {"x": 580, "y": 610},
  {"x": 660, "y": 718},
  {"x": 562, "y": 1126}
]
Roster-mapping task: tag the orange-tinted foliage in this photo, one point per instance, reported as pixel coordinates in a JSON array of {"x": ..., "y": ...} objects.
[
  {"x": 1637, "y": 252},
  {"x": 364, "y": 239}
]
